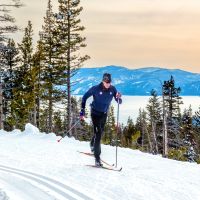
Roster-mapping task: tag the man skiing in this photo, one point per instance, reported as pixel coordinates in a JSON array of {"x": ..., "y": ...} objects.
[{"x": 102, "y": 97}]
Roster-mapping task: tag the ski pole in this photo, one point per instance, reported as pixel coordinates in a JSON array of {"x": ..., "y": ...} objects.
[
  {"x": 117, "y": 129},
  {"x": 69, "y": 130}
]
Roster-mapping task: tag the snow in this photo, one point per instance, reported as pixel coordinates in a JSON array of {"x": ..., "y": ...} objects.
[
  {"x": 35, "y": 166},
  {"x": 77, "y": 91}
]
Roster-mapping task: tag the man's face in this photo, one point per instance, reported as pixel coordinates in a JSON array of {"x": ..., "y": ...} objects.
[{"x": 106, "y": 85}]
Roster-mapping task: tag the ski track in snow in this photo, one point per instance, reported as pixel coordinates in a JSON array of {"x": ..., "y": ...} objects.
[
  {"x": 40, "y": 183},
  {"x": 3, "y": 195}
]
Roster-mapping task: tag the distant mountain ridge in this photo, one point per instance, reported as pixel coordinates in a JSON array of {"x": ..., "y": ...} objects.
[{"x": 137, "y": 81}]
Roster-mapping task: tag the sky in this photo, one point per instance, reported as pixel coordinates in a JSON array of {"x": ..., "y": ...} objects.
[
  {"x": 132, "y": 33},
  {"x": 35, "y": 166}
]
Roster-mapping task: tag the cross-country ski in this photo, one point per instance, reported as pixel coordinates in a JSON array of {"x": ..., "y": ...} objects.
[
  {"x": 92, "y": 154},
  {"x": 106, "y": 168}
]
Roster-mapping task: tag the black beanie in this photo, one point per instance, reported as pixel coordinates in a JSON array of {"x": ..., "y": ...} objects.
[{"x": 107, "y": 78}]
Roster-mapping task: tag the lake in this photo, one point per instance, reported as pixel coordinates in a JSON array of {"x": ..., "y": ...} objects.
[{"x": 132, "y": 104}]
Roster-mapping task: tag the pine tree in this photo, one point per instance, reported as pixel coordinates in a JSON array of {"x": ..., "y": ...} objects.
[
  {"x": 84, "y": 131},
  {"x": 142, "y": 127},
  {"x": 188, "y": 135},
  {"x": 6, "y": 26},
  {"x": 172, "y": 98},
  {"x": 128, "y": 133},
  {"x": 43, "y": 120},
  {"x": 172, "y": 102},
  {"x": 154, "y": 112},
  {"x": 196, "y": 127},
  {"x": 23, "y": 93},
  {"x": 71, "y": 41},
  {"x": 52, "y": 69},
  {"x": 57, "y": 122},
  {"x": 75, "y": 116},
  {"x": 197, "y": 118},
  {"x": 38, "y": 57},
  {"x": 9, "y": 61},
  {"x": 110, "y": 128},
  {"x": 6, "y": 20}
]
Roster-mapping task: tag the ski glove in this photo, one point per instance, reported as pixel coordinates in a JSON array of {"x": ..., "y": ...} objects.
[{"x": 118, "y": 95}]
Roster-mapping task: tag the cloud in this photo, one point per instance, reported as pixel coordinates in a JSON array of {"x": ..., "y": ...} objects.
[{"x": 132, "y": 33}]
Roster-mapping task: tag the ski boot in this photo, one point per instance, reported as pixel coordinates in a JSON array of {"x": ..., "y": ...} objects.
[{"x": 98, "y": 162}]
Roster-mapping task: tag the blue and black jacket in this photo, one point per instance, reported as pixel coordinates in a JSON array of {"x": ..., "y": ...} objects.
[{"x": 102, "y": 98}]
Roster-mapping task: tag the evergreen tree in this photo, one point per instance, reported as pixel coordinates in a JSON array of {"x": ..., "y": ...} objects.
[
  {"x": 154, "y": 113},
  {"x": 172, "y": 102},
  {"x": 110, "y": 128},
  {"x": 71, "y": 41},
  {"x": 138, "y": 126},
  {"x": 9, "y": 61},
  {"x": 6, "y": 20},
  {"x": 197, "y": 119},
  {"x": 188, "y": 135},
  {"x": 57, "y": 122},
  {"x": 38, "y": 57},
  {"x": 128, "y": 133},
  {"x": 52, "y": 71},
  {"x": 142, "y": 127},
  {"x": 75, "y": 116},
  {"x": 196, "y": 126},
  {"x": 172, "y": 98},
  {"x": 23, "y": 102},
  {"x": 84, "y": 130},
  {"x": 6, "y": 26},
  {"x": 43, "y": 120}
]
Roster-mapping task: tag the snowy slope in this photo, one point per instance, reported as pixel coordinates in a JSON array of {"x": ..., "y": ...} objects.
[
  {"x": 137, "y": 81},
  {"x": 35, "y": 166}
]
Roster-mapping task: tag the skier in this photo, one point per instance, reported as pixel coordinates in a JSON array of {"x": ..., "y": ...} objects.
[{"x": 102, "y": 97}]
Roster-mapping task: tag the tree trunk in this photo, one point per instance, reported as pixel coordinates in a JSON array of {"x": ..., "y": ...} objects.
[
  {"x": 1, "y": 107},
  {"x": 38, "y": 113},
  {"x": 149, "y": 139},
  {"x": 69, "y": 120},
  {"x": 165, "y": 135},
  {"x": 50, "y": 113},
  {"x": 155, "y": 144},
  {"x": 34, "y": 115}
]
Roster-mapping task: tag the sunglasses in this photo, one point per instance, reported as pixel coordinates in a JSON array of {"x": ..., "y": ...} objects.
[{"x": 106, "y": 80}]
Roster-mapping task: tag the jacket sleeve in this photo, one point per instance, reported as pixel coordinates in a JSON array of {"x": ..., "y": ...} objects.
[
  {"x": 88, "y": 94},
  {"x": 115, "y": 93}
]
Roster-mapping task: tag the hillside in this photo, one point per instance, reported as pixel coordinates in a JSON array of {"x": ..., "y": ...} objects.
[
  {"x": 35, "y": 166},
  {"x": 137, "y": 81}
]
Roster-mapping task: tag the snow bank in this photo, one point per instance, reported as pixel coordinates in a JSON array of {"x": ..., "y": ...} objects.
[
  {"x": 143, "y": 176},
  {"x": 30, "y": 129}
]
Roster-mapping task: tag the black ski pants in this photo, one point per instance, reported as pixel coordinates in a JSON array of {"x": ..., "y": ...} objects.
[{"x": 99, "y": 122}]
